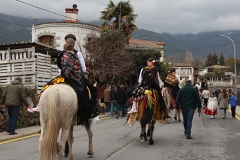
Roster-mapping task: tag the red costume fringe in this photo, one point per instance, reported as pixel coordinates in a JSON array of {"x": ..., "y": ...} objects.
[{"x": 209, "y": 112}]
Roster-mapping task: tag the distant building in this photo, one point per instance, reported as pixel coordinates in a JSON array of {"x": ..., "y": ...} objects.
[
  {"x": 186, "y": 71},
  {"x": 210, "y": 69},
  {"x": 143, "y": 44},
  {"x": 217, "y": 81},
  {"x": 53, "y": 33}
]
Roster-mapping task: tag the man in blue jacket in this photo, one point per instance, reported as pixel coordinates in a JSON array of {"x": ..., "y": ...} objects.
[
  {"x": 188, "y": 98},
  {"x": 233, "y": 103}
]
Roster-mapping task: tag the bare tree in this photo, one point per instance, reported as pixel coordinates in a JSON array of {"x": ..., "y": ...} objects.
[
  {"x": 189, "y": 57},
  {"x": 107, "y": 56}
]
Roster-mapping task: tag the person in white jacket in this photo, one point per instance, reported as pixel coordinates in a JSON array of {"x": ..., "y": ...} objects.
[{"x": 205, "y": 96}]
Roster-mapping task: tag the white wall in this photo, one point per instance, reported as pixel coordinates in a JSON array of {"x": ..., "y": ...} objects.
[{"x": 59, "y": 31}]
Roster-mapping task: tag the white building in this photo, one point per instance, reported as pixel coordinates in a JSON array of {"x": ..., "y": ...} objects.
[
  {"x": 53, "y": 33},
  {"x": 186, "y": 71},
  {"x": 213, "y": 81}
]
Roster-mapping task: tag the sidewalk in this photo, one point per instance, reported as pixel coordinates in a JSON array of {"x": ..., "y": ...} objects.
[{"x": 22, "y": 132}]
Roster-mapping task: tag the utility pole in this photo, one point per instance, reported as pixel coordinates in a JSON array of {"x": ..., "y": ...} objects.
[{"x": 119, "y": 17}]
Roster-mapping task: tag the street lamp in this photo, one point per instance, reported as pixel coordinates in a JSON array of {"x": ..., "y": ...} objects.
[{"x": 235, "y": 67}]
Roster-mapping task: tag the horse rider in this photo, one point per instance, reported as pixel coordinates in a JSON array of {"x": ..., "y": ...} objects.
[
  {"x": 149, "y": 79},
  {"x": 172, "y": 83},
  {"x": 73, "y": 75}
]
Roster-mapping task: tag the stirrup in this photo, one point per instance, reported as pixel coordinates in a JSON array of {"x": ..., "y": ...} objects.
[
  {"x": 132, "y": 111},
  {"x": 167, "y": 116}
]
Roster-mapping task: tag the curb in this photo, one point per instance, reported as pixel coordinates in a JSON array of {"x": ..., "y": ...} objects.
[
  {"x": 236, "y": 114},
  {"x": 18, "y": 136}
]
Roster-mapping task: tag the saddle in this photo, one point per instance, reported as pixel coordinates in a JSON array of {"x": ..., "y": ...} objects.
[{"x": 57, "y": 80}]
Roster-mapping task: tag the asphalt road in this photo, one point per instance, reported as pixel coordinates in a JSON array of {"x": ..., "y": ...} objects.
[{"x": 219, "y": 139}]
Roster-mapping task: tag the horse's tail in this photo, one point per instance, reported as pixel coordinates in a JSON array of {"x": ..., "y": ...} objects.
[{"x": 48, "y": 145}]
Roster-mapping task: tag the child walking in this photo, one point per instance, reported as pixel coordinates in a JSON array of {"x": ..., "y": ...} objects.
[
  {"x": 233, "y": 103},
  {"x": 211, "y": 108}
]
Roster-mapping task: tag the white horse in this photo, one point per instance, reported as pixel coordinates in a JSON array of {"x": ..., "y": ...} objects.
[{"x": 58, "y": 108}]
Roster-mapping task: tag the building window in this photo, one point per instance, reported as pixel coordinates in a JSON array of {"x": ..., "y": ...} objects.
[{"x": 46, "y": 40}]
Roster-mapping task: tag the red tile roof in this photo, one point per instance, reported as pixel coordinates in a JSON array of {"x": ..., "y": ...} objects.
[{"x": 139, "y": 44}]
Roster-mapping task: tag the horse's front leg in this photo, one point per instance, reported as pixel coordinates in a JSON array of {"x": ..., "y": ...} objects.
[
  {"x": 151, "y": 142},
  {"x": 143, "y": 135},
  {"x": 90, "y": 135},
  {"x": 148, "y": 131}
]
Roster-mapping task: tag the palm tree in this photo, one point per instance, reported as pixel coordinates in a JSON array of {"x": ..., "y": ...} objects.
[{"x": 120, "y": 14}]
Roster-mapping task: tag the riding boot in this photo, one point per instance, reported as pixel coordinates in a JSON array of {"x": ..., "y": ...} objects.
[{"x": 134, "y": 106}]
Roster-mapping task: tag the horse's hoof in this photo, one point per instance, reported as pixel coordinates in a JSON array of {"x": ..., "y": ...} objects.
[
  {"x": 151, "y": 142},
  {"x": 90, "y": 154},
  {"x": 167, "y": 122},
  {"x": 141, "y": 139},
  {"x": 175, "y": 118},
  {"x": 179, "y": 120}
]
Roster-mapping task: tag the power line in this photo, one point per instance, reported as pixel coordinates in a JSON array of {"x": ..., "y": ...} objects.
[{"x": 47, "y": 10}]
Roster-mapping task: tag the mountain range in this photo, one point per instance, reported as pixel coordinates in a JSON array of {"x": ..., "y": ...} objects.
[{"x": 14, "y": 29}]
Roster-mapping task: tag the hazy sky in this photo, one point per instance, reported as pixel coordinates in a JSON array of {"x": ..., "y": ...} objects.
[{"x": 171, "y": 16}]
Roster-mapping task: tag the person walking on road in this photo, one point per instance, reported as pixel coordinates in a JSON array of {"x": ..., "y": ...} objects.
[
  {"x": 187, "y": 98},
  {"x": 121, "y": 98},
  {"x": 205, "y": 96},
  {"x": 223, "y": 102},
  {"x": 233, "y": 103},
  {"x": 13, "y": 97},
  {"x": 107, "y": 102},
  {"x": 211, "y": 109},
  {"x": 113, "y": 97}
]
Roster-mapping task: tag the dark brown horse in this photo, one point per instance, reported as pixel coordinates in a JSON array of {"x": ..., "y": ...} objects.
[{"x": 148, "y": 116}]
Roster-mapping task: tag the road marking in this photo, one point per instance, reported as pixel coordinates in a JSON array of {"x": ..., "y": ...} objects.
[
  {"x": 17, "y": 139},
  {"x": 235, "y": 114},
  {"x": 34, "y": 135}
]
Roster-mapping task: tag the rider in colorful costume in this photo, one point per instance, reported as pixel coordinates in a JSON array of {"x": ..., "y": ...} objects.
[
  {"x": 148, "y": 79},
  {"x": 72, "y": 66},
  {"x": 172, "y": 83}
]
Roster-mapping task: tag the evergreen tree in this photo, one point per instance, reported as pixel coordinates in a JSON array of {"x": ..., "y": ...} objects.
[
  {"x": 215, "y": 59},
  {"x": 209, "y": 60},
  {"x": 222, "y": 60},
  {"x": 212, "y": 59}
]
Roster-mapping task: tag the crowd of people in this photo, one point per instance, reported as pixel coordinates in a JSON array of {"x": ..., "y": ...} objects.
[
  {"x": 220, "y": 98},
  {"x": 115, "y": 100}
]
